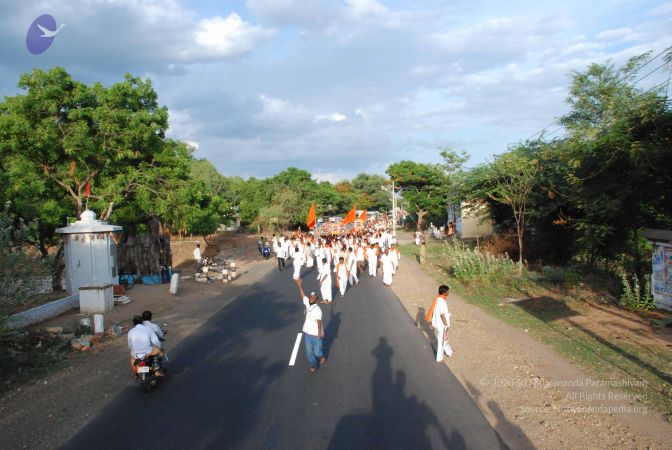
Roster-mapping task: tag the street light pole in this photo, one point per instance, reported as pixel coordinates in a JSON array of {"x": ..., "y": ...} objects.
[{"x": 394, "y": 212}]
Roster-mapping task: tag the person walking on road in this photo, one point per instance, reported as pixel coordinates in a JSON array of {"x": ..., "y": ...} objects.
[
  {"x": 324, "y": 279},
  {"x": 439, "y": 319},
  {"x": 313, "y": 332},
  {"x": 388, "y": 267},
  {"x": 342, "y": 275},
  {"x": 281, "y": 255},
  {"x": 298, "y": 261}
]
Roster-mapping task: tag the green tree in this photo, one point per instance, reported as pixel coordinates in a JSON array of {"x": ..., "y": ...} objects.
[{"x": 423, "y": 186}]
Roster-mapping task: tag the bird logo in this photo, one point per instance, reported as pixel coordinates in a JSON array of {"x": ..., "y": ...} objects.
[{"x": 41, "y": 34}]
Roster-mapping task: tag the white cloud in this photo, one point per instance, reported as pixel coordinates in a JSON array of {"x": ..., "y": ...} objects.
[
  {"x": 334, "y": 117},
  {"x": 229, "y": 36}
]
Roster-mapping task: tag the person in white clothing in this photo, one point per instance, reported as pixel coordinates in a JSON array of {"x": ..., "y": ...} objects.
[
  {"x": 197, "y": 257},
  {"x": 324, "y": 279},
  {"x": 310, "y": 260},
  {"x": 351, "y": 263},
  {"x": 372, "y": 260},
  {"x": 142, "y": 340},
  {"x": 342, "y": 275},
  {"x": 298, "y": 262},
  {"x": 440, "y": 322},
  {"x": 388, "y": 267},
  {"x": 281, "y": 255},
  {"x": 361, "y": 258},
  {"x": 395, "y": 256},
  {"x": 313, "y": 332},
  {"x": 147, "y": 321}
]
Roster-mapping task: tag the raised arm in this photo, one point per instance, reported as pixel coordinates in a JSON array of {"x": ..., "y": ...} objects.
[{"x": 299, "y": 283}]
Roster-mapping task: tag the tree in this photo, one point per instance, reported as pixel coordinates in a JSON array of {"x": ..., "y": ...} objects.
[
  {"x": 509, "y": 180},
  {"x": 423, "y": 187}
]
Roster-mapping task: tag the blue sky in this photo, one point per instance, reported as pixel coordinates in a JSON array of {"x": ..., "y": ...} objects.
[{"x": 340, "y": 87}]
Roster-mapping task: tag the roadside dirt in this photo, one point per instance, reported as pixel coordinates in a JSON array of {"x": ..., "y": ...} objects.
[
  {"x": 50, "y": 409},
  {"x": 531, "y": 395}
]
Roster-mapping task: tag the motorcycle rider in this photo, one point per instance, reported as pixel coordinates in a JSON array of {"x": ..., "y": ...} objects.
[
  {"x": 147, "y": 321},
  {"x": 142, "y": 339}
]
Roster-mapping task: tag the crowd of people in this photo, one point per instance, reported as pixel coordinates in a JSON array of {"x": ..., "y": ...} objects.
[{"x": 342, "y": 258}]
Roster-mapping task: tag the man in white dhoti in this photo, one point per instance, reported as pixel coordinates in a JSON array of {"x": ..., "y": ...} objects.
[
  {"x": 440, "y": 322},
  {"x": 372, "y": 260},
  {"x": 388, "y": 268},
  {"x": 352, "y": 267},
  {"x": 342, "y": 274},
  {"x": 319, "y": 254},
  {"x": 395, "y": 256},
  {"x": 324, "y": 280},
  {"x": 309, "y": 255},
  {"x": 298, "y": 262},
  {"x": 361, "y": 257}
]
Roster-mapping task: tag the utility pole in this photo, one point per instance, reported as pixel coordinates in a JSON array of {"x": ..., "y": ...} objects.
[{"x": 394, "y": 212}]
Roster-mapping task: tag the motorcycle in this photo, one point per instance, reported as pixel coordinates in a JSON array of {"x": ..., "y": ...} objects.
[
  {"x": 266, "y": 251},
  {"x": 146, "y": 369}
]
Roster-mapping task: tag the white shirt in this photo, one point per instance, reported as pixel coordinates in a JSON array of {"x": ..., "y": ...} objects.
[
  {"x": 313, "y": 314},
  {"x": 298, "y": 258},
  {"x": 141, "y": 339},
  {"x": 154, "y": 327},
  {"x": 440, "y": 308},
  {"x": 197, "y": 253}
]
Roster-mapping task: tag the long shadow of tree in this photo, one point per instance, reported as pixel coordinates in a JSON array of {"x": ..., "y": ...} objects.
[{"x": 396, "y": 421}]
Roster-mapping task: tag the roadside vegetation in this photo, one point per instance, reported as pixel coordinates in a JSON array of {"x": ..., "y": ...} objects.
[{"x": 571, "y": 309}]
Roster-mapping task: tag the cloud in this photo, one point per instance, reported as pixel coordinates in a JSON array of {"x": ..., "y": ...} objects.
[
  {"x": 334, "y": 117},
  {"x": 226, "y": 37}
]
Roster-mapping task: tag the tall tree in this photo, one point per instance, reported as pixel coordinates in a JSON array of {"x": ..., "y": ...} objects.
[{"x": 423, "y": 186}]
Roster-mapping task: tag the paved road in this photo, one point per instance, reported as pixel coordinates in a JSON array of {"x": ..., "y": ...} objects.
[{"x": 230, "y": 385}]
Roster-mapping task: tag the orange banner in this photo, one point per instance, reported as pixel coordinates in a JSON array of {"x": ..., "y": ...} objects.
[{"x": 311, "y": 221}]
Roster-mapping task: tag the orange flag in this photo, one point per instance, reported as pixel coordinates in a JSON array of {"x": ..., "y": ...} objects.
[
  {"x": 362, "y": 216},
  {"x": 311, "y": 221},
  {"x": 351, "y": 216}
]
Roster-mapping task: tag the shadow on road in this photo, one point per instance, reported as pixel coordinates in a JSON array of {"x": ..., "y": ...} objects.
[
  {"x": 396, "y": 421},
  {"x": 211, "y": 396},
  {"x": 331, "y": 332}
]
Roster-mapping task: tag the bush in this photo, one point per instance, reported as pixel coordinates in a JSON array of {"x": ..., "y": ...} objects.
[
  {"x": 469, "y": 265},
  {"x": 634, "y": 297}
]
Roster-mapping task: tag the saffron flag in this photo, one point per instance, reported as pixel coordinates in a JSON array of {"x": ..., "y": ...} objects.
[
  {"x": 362, "y": 216},
  {"x": 311, "y": 221},
  {"x": 87, "y": 191},
  {"x": 351, "y": 216}
]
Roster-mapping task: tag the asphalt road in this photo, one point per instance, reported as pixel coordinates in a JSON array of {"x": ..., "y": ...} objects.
[{"x": 230, "y": 385}]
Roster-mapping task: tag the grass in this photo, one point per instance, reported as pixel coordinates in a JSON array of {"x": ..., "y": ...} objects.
[{"x": 549, "y": 315}]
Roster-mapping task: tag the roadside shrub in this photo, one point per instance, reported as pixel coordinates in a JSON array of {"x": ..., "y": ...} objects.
[
  {"x": 633, "y": 296},
  {"x": 468, "y": 265},
  {"x": 553, "y": 274},
  {"x": 572, "y": 278}
]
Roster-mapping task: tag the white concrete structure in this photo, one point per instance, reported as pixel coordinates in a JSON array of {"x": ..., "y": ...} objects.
[
  {"x": 96, "y": 299},
  {"x": 90, "y": 252}
]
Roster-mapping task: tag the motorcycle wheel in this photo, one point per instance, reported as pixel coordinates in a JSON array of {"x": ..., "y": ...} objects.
[{"x": 144, "y": 382}]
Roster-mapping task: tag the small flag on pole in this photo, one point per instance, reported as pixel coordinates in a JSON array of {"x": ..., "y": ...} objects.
[
  {"x": 87, "y": 191},
  {"x": 362, "y": 216},
  {"x": 311, "y": 221}
]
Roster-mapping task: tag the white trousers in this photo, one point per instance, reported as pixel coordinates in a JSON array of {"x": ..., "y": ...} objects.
[
  {"x": 442, "y": 345},
  {"x": 373, "y": 265},
  {"x": 297, "y": 271},
  {"x": 325, "y": 290},
  {"x": 309, "y": 262},
  {"x": 353, "y": 276},
  {"x": 342, "y": 284}
]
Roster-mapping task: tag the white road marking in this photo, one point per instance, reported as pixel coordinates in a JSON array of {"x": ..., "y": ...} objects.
[{"x": 292, "y": 360}]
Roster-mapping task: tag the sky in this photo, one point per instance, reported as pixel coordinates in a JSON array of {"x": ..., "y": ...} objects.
[{"x": 340, "y": 87}]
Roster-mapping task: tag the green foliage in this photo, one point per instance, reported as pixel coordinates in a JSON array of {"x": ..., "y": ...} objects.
[
  {"x": 635, "y": 298},
  {"x": 19, "y": 267},
  {"x": 470, "y": 265},
  {"x": 423, "y": 187}
]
